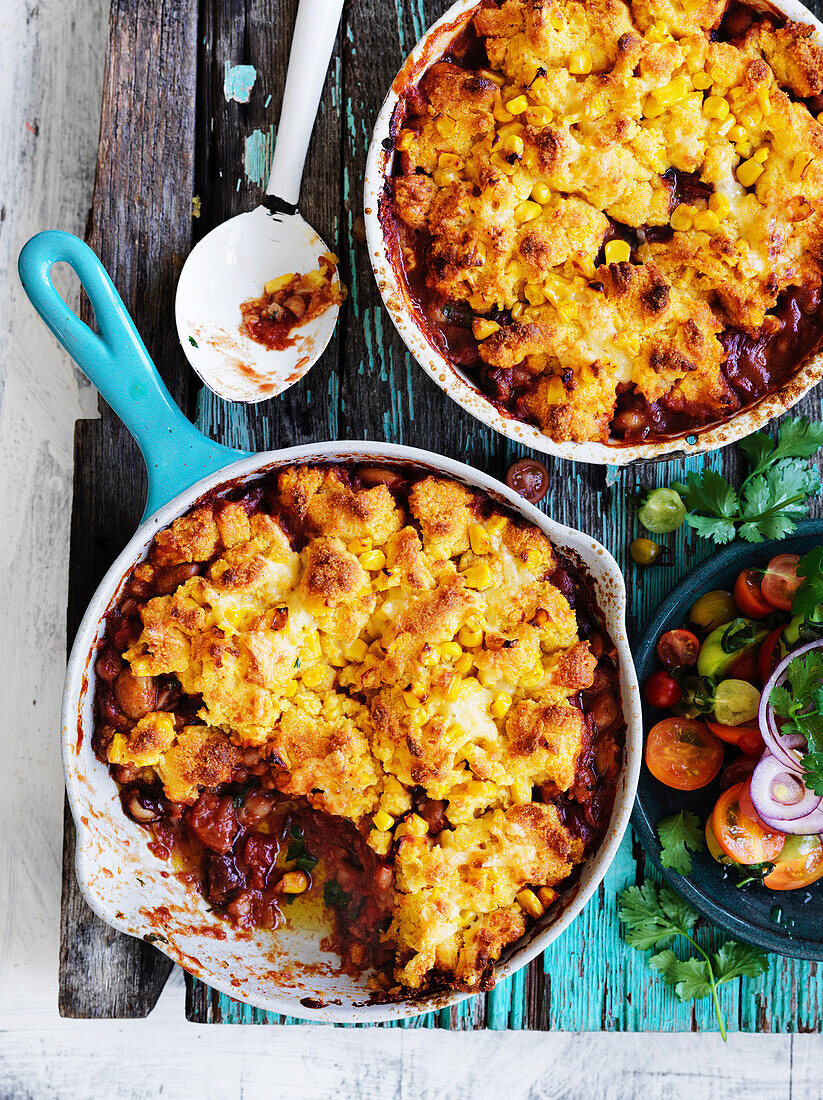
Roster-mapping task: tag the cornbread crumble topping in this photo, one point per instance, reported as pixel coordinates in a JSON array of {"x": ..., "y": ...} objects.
[
  {"x": 614, "y": 211},
  {"x": 381, "y": 672}
]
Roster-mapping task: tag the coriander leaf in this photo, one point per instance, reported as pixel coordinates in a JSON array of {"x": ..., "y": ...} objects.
[
  {"x": 804, "y": 674},
  {"x": 738, "y": 960},
  {"x": 647, "y": 925},
  {"x": 692, "y": 979},
  {"x": 306, "y": 862},
  {"x": 813, "y": 778},
  {"x": 720, "y": 531},
  {"x": 708, "y": 492},
  {"x": 810, "y": 592},
  {"x": 757, "y": 448},
  {"x": 666, "y": 964},
  {"x": 677, "y": 834},
  {"x": 334, "y": 896},
  {"x": 679, "y": 912},
  {"x": 781, "y": 701},
  {"x": 798, "y": 437}
]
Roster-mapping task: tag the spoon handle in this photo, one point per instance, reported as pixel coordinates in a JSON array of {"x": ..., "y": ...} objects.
[{"x": 315, "y": 32}]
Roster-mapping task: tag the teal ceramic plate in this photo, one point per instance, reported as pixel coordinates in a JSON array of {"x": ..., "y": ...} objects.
[{"x": 790, "y": 921}]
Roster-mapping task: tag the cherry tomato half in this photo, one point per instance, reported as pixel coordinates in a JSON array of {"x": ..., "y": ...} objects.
[
  {"x": 748, "y": 596},
  {"x": 683, "y": 754},
  {"x": 744, "y": 801},
  {"x": 747, "y": 737},
  {"x": 769, "y": 654},
  {"x": 737, "y": 772},
  {"x": 662, "y": 690},
  {"x": 739, "y": 836},
  {"x": 781, "y": 581},
  {"x": 678, "y": 649},
  {"x": 801, "y": 864}
]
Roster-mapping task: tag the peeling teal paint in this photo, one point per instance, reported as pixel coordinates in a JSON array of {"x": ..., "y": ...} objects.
[
  {"x": 258, "y": 154},
  {"x": 238, "y": 81}
]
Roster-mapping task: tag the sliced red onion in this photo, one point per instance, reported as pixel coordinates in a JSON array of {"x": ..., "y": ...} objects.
[
  {"x": 777, "y": 744},
  {"x": 779, "y": 795},
  {"x": 810, "y": 825}
]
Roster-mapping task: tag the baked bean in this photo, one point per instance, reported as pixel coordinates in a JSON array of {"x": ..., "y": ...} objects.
[
  {"x": 136, "y": 695},
  {"x": 125, "y": 773},
  {"x": 108, "y": 665},
  {"x": 169, "y": 580},
  {"x": 142, "y": 814},
  {"x": 383, "y": 878},
  {"x": 597, "y": 644},
  {"x": 603, "y": 710},
  {"x": 433, "y": 812},
  {"x": 255, "y": 807},
  {"x": 628, "y": 421},
  {"x": 377, "y": 475}
]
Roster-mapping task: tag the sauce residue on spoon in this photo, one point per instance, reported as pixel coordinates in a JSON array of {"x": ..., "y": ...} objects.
[{"x": 290, "y": 301}]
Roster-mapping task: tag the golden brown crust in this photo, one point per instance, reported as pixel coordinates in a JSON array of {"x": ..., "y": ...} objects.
[
  {"x": 515, "y": 175},
  {"x": 414, "y": 643}
]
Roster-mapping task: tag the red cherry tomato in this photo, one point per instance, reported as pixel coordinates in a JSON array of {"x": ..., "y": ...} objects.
[
  {"x": 781, "y": 581},
  {"x": 745, "y": 667},
  {"x": 737, "y": 772},
  {"x": 749, "y": 598},
  {"x": 747, "y": 738},
  {"x": 769, "y": 654},
  {"x": 739, "y": 835},
  {"x": 662, "y": 690},
  {"x": 678, "y": 649},
  {"x": 681, "y": 753}
]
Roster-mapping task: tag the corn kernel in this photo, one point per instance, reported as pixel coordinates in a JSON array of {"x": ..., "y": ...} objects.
[
  {"x": 751, "y": 117},
  {"x": 521, "y": 792},
  {"x": 468, "y": 637},
  {"x": 479, "y": 540},
  {"x": 569, "y": 311},
  {"x": 449, "y": 651},
  {"x": 533, "y": 678},
  {"x": 738, "y": 133},
  {"x": 429, "y": 657},
  {"x": 501, "y": 704},
  {"x": 706, "y": 221},
  {"x": 313, "y": 645},
  {"x": 532, "y": 558},
  {"x": 452, "y": 689},
  {"x": 518, "y": 310},
  {"x": 405, "y": 140},
  {"x": 702, "y": 81},
  {"x": 517, "y": 105},
  {"x": 356, "y": 650},
  {"x": 682, "y": 217},
  {"x": 715, "y": 106},
  {"x": 496, "y": 525},
  {"x": 502, "y": 165},
  {"x": 617, "y": 252},
  {"x": 764, "y": 101},
  {"x": 534, "y": 294},
  {"x": 672, "y": 92},
  {"x": 547, "y": 896},
  {"x": 721, "y": 129},
  {"x": 500, "y": 113},
  {"x": 416, "y": 825},
  {"x": 359, "y": 546},
  {"x": 451, "y": 162},
  {"x": 382, "y": 821},
  {"x": 799, "y": 165},
  {"x": 719, "y": 204},
  {"x": 762, "y": 154},
  {"x": 290, "y": 689},
  {"x": 273, "y": 285},
  {"x": 483, "y": 327},
  {"x": 527, "y": 211},
  {"x": 463, "y": 663},
  {"x": 540, "y": 116},
  {"x": 749, "y": 172},
  {"x": 313, "y": 677},
  {"x": 651, "y": 108},
  {"x": 513, "y": 145},
  {"x": 373, "y": 560},
  {"x": 495, "y": 78},
  {"x": 530, "y": 903},
  {"x": 293, "y": 882},
  {"x": 478, "y": 576},
  {"x": 541, "y": 192},
  {"x": 411, "y": 700},
  {"x": 446, "y": 126},
  {"x": 580, "y": 62},
  {"x": 556, "y": 20}
]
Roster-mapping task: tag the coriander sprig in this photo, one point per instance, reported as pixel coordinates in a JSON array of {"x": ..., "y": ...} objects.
[
  {"x": 677, "y": 834},
  {"x": 799, "y": 702},
  {"x": 655, "y": 916},
  {"x": 772, "y": 498}
]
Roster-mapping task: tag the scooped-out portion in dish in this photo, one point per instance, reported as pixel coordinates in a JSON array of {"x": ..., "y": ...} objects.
[
  {"x": 375, "y": 688},
  {"x": 611, "y": 214},
  {"x": 290, "y": 301}
]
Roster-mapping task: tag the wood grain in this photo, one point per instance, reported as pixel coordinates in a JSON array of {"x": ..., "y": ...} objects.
[
  {"x": 367, "y": 386},
  {"x": 140, "y": 226}
]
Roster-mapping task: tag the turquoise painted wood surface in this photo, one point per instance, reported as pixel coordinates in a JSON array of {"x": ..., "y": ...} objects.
[{"x": 365, "y": 386}]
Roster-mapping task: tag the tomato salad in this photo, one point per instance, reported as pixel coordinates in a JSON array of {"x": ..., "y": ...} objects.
[{"x": 743, "y": 681}]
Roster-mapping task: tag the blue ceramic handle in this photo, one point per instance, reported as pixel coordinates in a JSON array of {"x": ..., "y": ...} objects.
[{"x": 176, "y": 453}]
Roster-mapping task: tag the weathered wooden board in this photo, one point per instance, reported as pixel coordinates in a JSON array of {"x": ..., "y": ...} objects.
[{"x": 366, "y": 386}]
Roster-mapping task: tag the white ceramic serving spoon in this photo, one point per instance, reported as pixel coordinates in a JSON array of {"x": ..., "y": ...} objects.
[{"x": 233, "y": 262}]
